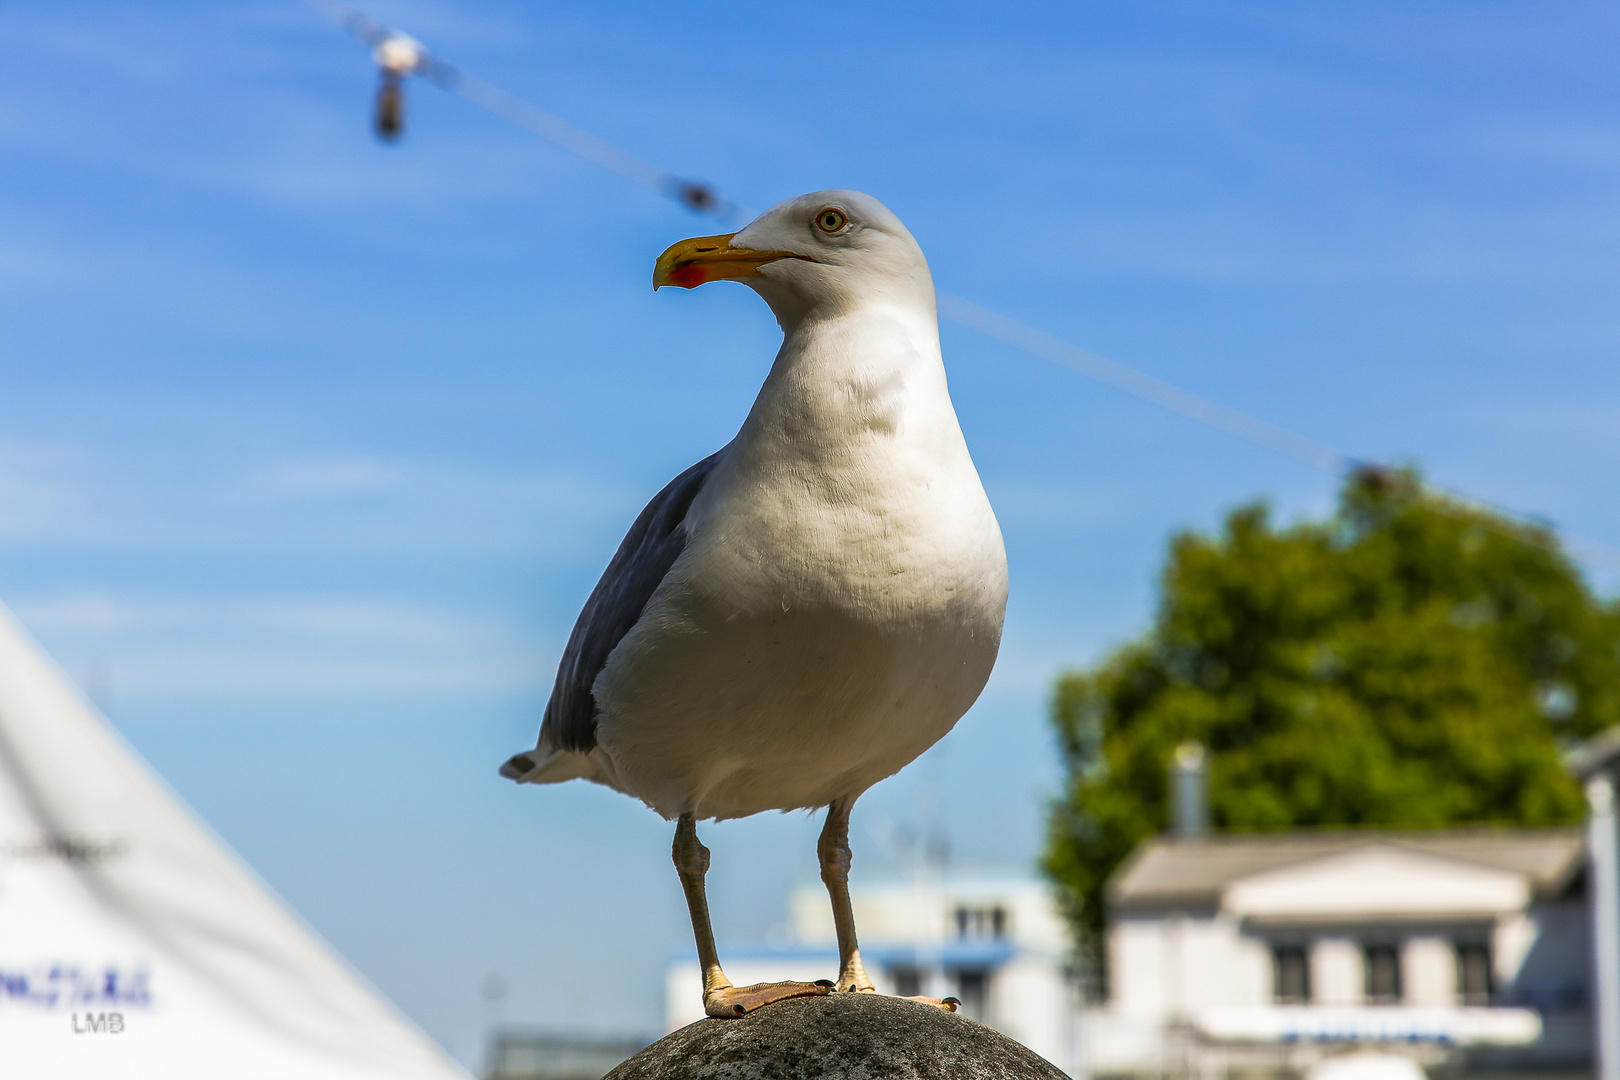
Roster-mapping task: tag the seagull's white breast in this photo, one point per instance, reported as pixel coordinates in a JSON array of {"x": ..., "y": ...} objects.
[{"x": 839, "y": 604}]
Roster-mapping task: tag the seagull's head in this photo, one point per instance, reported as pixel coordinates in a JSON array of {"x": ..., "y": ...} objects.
[{"x": 824, "y": 252}]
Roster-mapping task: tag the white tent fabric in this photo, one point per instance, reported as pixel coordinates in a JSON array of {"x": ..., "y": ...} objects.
[{"x": 135, "y": 944}]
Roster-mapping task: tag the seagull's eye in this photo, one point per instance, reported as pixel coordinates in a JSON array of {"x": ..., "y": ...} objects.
[{"x": 831, "y": 220}]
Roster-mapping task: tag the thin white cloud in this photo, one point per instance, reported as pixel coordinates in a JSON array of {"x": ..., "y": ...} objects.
[
  {"x": 30, "y": 263},
  {"x": 77, "y": 497},
  {"x": 358, "y": 620},
  {"x": 1567, "y": 420},
  {"x": 131, "y": 50},
  {"x": 170, "y": 646},
  {"x": 319, "y": 478},
  {"x": 38, "y": 487},
  {"x": 1558, "y": 142},
  {"x": 157, "y": 674}
]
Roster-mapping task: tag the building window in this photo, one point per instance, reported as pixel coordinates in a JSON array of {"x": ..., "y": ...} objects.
[
  {"x": 1383, "y": 974},
  {"x": 973, "y": 990},
  {"x": 907, "y": 981},
  {"x": 1290, "y": 975},
  {"x": 988, "y": 922},
  {"x": 1473, "y": 973}
]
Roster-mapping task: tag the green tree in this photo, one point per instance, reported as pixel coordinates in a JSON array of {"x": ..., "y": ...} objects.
[{"x": 1409, "y": 662}]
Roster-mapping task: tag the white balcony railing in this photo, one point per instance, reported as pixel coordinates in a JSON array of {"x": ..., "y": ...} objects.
[{"x": 1455, "y": 1026}]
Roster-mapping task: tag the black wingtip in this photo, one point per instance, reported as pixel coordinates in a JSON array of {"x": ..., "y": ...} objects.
[{"x": 517, "y": 767}]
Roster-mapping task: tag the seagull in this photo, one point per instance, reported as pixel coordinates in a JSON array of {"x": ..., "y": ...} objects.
[{"x": 808, "y": 609}]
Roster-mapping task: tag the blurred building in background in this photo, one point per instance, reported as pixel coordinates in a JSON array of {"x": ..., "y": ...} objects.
[
  {"x": 541, "y": 1055},
  {"x": 1270, "y": 955},
  {"x": 997, "y": 942}
]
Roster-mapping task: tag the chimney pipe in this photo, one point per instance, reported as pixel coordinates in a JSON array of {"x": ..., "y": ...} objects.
[{"x": 1189, "y": 792}]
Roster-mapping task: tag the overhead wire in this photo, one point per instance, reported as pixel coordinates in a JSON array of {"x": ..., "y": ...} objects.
[
  {"x": 399, "y": 56},
  {"x": 410, "y": 57},
  {"x": 1141, "y": 385}
]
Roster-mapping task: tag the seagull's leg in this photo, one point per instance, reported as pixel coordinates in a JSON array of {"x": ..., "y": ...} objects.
[
  {"x": 720, "y": 998},
  {"x": 833, "y": 851}
]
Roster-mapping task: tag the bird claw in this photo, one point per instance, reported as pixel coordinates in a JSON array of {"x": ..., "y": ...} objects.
[
  {"x": 730, "y": 1002},
  {"x": 949, "y": 1004}
]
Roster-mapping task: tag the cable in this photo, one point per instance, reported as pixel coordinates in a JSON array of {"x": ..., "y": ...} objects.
[
  {"x": 1269, "y": 436},
  {"x": 1146, "y": 387},
  {"x": 398, "y": 55}
]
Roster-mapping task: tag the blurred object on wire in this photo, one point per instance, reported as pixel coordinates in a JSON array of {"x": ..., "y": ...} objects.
[
  {"x": 389, "y": 44},
  {"x": 398, "y": 57}
]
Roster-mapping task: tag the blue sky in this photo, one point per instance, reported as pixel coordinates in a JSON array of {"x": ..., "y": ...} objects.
[{"x": 311, "y": 447}]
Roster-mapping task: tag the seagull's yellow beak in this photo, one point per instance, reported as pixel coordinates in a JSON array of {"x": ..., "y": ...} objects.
[{"x": 690, "y": 263}]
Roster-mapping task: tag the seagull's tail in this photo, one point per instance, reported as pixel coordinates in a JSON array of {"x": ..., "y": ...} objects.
[{"x": 547, "y": 766}]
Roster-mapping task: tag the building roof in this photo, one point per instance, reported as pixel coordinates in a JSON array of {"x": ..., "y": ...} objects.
[
  {"x": 1600, "y": 752},
  {"x": 1165, "y": 872}
]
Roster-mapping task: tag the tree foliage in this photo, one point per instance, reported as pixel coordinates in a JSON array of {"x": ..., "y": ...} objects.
[{"x": 1409, "y": 662}]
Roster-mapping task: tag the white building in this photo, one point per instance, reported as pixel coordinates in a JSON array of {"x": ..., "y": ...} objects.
[
  {"x": 997, "y": 943},
  {"x": 1266, "y": 954}
]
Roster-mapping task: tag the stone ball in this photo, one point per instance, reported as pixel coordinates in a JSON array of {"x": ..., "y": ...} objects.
[{"x": 843, "y": 1036}]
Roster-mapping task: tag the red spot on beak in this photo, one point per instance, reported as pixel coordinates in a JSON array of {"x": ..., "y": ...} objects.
[{"x": 689, "y": 276}]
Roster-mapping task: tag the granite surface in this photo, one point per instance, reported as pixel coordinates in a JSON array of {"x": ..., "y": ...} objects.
[{"x": 843, "y": 1036}]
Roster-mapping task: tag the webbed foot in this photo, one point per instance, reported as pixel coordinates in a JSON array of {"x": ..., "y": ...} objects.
[{"x": 730, "y": 1002}]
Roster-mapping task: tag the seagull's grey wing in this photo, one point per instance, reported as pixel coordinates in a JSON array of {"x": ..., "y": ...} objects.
[{"x": 648, "y": 551}]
